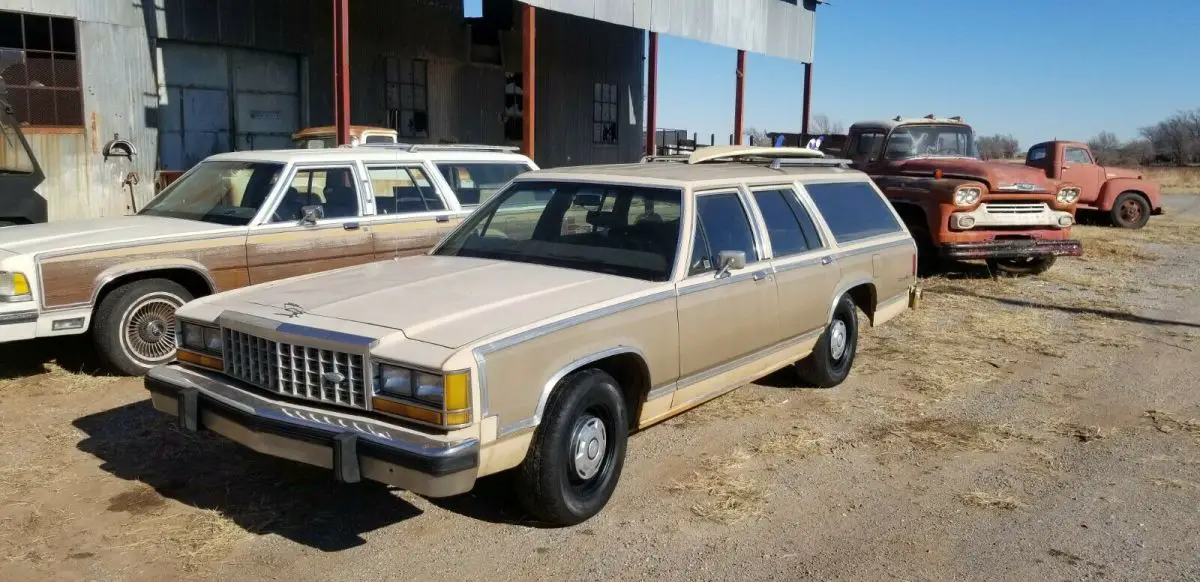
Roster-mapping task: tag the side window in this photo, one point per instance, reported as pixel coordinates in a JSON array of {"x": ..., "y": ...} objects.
[
  {"x": 853, "y": 210},
  {"x": 1077, "y": 156},
  {"x": 724, "y": 225},
  {"x": 790, "y": 228},
  {"x": 331, "y": 190},
  {"x": 1037, "y": 153},
  {"x": 403, "y": 190},
  {"x": 702, "y": 255},
  {"x": 475, "y": 183},
  {"x": 868, "y": 145}
]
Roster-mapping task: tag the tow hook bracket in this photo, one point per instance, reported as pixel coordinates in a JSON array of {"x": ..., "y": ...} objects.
[
  {"x": 345, "y": 458},
  {"x": 189, "y": 409}
]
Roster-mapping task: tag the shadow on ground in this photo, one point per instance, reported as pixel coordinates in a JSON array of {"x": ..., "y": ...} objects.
[
  {"x": 1105, "y": 313},
  {"x": 29, "y": 358}
]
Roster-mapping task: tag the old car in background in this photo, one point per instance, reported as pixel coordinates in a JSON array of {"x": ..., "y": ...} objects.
[
  {"x": 960, "y": 207},
  {"x": 1124, "y": 195},
  {"x": 233, "y": 220},
  {"x": 20, "y": 172},
  {"x": 326, "y": 136},
  {"x": 574, "y": 306}
]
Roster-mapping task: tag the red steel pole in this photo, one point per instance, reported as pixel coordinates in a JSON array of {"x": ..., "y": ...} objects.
[
  {"x": 652, "y": 95},
  {"x": 528, "y": 78},
  {"x": 341, "y": 69},
  {"x": 807, "y": 98},
  {"x": 739, "y": 97}
]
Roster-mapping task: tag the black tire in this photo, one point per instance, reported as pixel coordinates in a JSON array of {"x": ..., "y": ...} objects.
[
  {"x": 134, "y": 326},
  {"x": 824, "y": 368},
  {"x": 4, "y": 223},
  {"x": 1023, "y": 266},
  {"x": 1130, "y": 210},
  {"x": 549, "y": 483}
]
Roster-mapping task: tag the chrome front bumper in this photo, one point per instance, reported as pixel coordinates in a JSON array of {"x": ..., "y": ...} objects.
[
  {"x": 353, "y": 447},
  {"x": 987, "y": 216}
]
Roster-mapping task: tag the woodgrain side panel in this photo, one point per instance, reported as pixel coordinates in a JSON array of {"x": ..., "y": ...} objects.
[
  {"x": 290, "y": 253},
  {"x": 413, "y": 237},
  {"x": 74, "y": 279}
]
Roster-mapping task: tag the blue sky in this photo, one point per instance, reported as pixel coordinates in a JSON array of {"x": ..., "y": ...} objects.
[{"x": 1035, "y": 68}]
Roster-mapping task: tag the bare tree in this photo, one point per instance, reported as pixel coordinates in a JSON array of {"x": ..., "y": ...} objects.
[
  {"x": 1176, "y": 139},
  {"x": 821, "y": 125},
  {"x": 997, "y": 147},
  {"x": 755, "y": 137},
  {"x": 1106, "y": 147}
]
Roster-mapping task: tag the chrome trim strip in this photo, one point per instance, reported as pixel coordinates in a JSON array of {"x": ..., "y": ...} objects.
[
  {"x": 743, "y": 360},
  {"x": 325, "y": 335},
  {"x": 807, "y": 262},
  {"x": 879, "y": 246},
  {"x": 516, "y": 428},
  {"x": 18, "y": 317},
  {"x": 742, "y": 275},
  {"x": 662, "y": 391}
]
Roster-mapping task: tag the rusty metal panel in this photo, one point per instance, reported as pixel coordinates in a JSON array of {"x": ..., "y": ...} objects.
[{"x": 769, "y": 27}]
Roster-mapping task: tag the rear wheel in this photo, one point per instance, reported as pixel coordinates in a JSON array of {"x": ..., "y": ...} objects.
[
  {"x": 1130, "y": 210},
  {"x": 831, "y": 359},
  {"x": 1022, "y": 266},
  {"x": 134, "y": 326}
]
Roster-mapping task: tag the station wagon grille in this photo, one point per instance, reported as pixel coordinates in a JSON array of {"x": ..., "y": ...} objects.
[
  {"x": 296, "y": 371},
  {"x": 1015, "y": 207}
]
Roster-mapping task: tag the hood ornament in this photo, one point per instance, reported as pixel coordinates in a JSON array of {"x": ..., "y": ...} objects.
[{"x": 293, "y": 309}]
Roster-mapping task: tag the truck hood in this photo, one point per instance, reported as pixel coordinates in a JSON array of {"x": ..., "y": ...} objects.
[
  {"x": 32, "y": 239},
  {"x": 998, "y": 175},
  {"x": 446, "y": 301}
]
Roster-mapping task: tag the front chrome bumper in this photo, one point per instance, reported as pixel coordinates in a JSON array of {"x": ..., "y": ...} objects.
[
  {"x": 353, "y": 447},
  {"x": 987, "y": 216},
  {"x": 1013, "y": 249}
]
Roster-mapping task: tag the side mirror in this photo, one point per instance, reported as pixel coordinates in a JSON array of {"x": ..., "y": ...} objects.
[
  {"x": 730, "y": 261},
  {"x": 311, "y": 214}
]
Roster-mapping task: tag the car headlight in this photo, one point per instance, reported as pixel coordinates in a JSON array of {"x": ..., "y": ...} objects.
[
  {"x": 14, "y": 288},
  {"x": 1068, "y": 195},
  {"x": 967, "y": 196},
  {"x": 200, "y": 338},
  {"x": 440, "y": 399}
]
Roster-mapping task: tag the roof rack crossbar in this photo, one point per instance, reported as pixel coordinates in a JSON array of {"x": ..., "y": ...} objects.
[
  {"x": 679, "y": 158},
  {"x": 778, "y": 163},
  {"x": 446, "y": 147}
]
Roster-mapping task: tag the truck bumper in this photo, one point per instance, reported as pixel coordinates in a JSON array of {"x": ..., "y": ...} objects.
[
  {"x": 1013, "y": 249},
  {"x": 351, "y": 446}
]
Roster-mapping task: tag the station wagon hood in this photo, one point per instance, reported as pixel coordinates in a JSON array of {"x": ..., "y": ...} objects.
[
  {"x": 998, "y": 175},
  {"x": 446, "y": 301},
  {"x": 75, "y": 234}
]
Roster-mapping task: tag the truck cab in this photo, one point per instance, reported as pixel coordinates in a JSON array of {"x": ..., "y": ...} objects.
[{"x": 1124, "y": 195}]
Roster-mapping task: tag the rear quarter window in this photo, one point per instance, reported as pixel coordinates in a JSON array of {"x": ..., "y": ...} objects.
[{"x": 853, "y": 210}]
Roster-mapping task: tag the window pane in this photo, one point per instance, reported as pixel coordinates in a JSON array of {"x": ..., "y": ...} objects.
[
  {"x": 331, "y": 190},
  {"x": 853, "y": 210},
  {"x": 1078, "y": 156},
  {"x": 63, "y": 35},
  {"x": 37, "y": 33},
  {"x": 428, "y": 194},
  {"x": 701, "y": 261},
  {"x": 10, "y": 30},
  {"x": 475, "y": 183},
  {"x": 1037, "y": 153},
  {"x": 725, "y": 222},
  {"x": 787, "y": 238},
  {"x": 217, "y": 192}
]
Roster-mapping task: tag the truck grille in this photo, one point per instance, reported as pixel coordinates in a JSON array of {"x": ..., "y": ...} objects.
[
  {"x": 296, "y": 371},
  {"x": 1015, "y": 207}
]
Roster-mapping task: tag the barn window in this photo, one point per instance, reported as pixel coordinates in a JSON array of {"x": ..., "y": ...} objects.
[
  {"x": 408, "y": 96},
  {"x": 45, "y": 90},
  {"x": 604, "y": 114}
]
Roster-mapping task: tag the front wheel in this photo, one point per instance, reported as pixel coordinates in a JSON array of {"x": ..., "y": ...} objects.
[
  {"x": 575, "y": 460},
  {"x": 1130, "y": 211},
  {"x": 134, "y": 327},
  {"x": 829, "y": 363},
  {"x": 1022, "y": 266}
]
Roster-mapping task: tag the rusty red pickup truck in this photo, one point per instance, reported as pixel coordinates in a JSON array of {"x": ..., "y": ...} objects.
[{"x": 1124, "y": 195}]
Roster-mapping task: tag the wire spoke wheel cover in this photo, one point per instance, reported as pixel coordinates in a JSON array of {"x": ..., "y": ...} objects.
[{"x": 149, "y": 327}]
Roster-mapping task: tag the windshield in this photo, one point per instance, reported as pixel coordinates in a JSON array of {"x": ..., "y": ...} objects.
[
  {"x": 913, "y": 141},
  {"x": 628, "y": 231},
  {"x": 218, "y": 192}
]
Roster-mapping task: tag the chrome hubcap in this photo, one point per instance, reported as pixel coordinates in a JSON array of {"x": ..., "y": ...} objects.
[
  {"x": 589, "y": 441},
  {"x": 150, "y": 330},
  {"x": 837, "y": 339}
]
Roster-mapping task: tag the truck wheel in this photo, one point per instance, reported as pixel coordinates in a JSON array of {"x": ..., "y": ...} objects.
[
  {"x": 134, "y": 326},
  {"x": 1022, "y": 266},
  {"x": 1130, "y": 210},
  {"x": 578, "y": 450},
  {"x": 829, "y": 363}
]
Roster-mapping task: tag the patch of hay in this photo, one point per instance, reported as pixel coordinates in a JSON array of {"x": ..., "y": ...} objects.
[
  {"x": 990, "y": 500},
  {"x": 727, "y": 493}
]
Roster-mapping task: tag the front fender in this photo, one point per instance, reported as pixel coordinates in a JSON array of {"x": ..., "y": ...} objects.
[
  {"x": 115, "y": 272},
  {"x": 1117, "y": 186}
]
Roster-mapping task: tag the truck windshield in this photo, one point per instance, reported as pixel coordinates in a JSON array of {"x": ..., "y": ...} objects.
[
  {"x": 218, "y": 192},
  {"x": 628, "y": 231},
  {"x": 912, "y": 141},
  {"x": 14, "y": 159}
]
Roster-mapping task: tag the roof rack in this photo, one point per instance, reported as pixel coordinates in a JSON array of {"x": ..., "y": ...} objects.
[
  {"x": 735, "y": 152},
  {"x": 443, "y": 147},
  {"x": 665, "y": 158},
  {"x": 778, "y": 163}
]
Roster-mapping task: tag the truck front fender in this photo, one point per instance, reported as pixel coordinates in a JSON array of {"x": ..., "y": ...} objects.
[{"x": 1116, "y": 186}]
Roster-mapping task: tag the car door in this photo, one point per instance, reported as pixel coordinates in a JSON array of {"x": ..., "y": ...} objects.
[
  {"x": 806, "y": 273},
  {"x": 411, "y": 214},
  {"x": 331, "y": 236},
  {"x": 723, "y": 317},
  {"x": 1078, "y": 167}
]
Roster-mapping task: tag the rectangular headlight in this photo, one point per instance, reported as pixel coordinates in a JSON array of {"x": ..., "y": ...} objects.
[
  {"x": 14, "y": 288},
  {"x": 441, "y": 399},
  {"x": 200, "y": 338}
]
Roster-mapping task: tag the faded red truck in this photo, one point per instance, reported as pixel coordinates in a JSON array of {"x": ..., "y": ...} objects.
[
  {"x": 1124, "y": 195},
  {"x": 957, "y": 206}
]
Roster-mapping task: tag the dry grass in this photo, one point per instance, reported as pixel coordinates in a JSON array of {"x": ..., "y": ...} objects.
[
  {"x": 1108, "y": 245},
  {"x": 990, "y": 500},
  {"x": 59, "y": 380},
  {"x": 1174, "y": 180},
  {"x": 940, "y": 434},
  {"x": 1166, "y": 422},
  {"x": 797, "y": 443},
  {"x": 728, "y": 493},
  {"x": 1080, "y": 432}
]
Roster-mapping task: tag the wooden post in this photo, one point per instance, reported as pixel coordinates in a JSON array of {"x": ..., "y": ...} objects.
[
  {"x": 528, "y": 79},
  {"x": 341, "y": 70},
  {"x": 739, "y": 97}
]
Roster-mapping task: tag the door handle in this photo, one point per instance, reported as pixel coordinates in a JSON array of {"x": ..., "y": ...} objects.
[
  {"x": 826, "y": 260},
  {"x": 443, "y": 219},
  {"x": 350, "y": 226},
  {"x": 760, "y": 275},
  {"x": 1066, "y": 167}
]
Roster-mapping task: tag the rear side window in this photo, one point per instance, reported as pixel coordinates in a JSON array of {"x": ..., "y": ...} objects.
[
  {"x": 853, "y": 210},
  {"x": 789, "y": 227},
  {"x": 722, "y": 225},
  {"x": 474, "y": 183},
  {"x": 1037, "y": 153}
]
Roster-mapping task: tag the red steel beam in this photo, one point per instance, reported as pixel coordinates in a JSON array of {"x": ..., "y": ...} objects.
[
  {"x": 528, "y": 78},
  {"x": 739, "y": 97},
  {"x": 341, "y": 69},
  {"x": 652, "y": 95},
  {"x": 807, "y": 98}
]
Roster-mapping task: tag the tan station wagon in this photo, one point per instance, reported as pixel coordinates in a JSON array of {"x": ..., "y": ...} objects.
[
  {"x": 573, "y": 307},
  {"x": 235, "y": 219}
]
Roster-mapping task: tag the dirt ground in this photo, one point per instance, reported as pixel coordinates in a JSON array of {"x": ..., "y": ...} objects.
[{"x": 1040, "y": 428}]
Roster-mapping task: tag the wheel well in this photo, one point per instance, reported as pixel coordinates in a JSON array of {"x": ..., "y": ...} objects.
[
  {"x": 194, "y": 282},
  {"x": 633, "y": 376},
  {"x": 864, "y": 297},
  {"x": 1141, "y": 194},
  {"x": 912, "y": 215}
]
